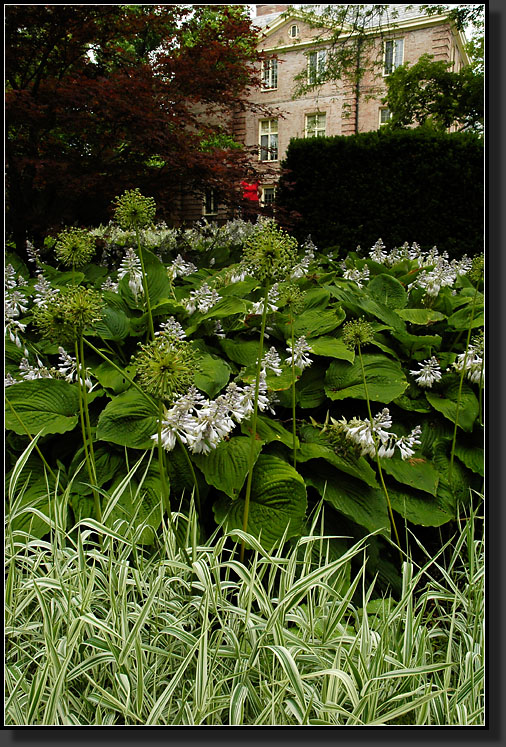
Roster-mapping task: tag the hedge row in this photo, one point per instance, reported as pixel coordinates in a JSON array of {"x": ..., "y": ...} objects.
[{"x": 410, "y": 185}]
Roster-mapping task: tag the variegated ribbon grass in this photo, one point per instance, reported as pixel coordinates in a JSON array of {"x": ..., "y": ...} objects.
[{"x": 95, "y": 639}]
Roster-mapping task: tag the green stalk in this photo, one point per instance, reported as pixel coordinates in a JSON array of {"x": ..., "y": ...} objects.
[
  {"x": 145, "y": 285},
  {"x": 254, "y": 421},
  {"x": 121, "y": 371},
  {"x": 194, "y": 476},
  {"x": 380, "y": 471},
  {"x": 163, "y": 479},
  {"x": 294, "y": 426},
  {"x": 83, "y": 404},
  {"x": 461, "y": 382}
]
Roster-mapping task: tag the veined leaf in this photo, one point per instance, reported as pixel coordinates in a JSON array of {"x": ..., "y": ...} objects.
[
  {"x": 212, "y": 375},
  {"x": 269, "y": 430},
  {"x": 278, "y": 502},
  {"x": 446, "y": 403},
  {"x": 420, "y": 508},
  {"x": 362, "y": 504},
  {"x": 387, "y": 290},
  {"x": 114, "y": 325},
  {"x": 47, "y": 405},
  {"x": 243, "y": 352},
  {"x": 227, "y": 466},
  {"x": 384, "y": 376},
  {"x": 332, "y": 347},
  {"x": 421, "y": 316},
  {"x": 356, "y": 467},
  {"x": 129, "y": 420},
  {"x": 416, "y": 472},
  {"x": 471, "y": 456},
  {"x": 110, "y": 378}
]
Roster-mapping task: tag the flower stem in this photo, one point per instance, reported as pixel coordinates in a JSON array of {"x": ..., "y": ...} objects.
[
  {"x": 145, "y": 284},
  {"x": 294, "y": 425},
  {"x": 86, "y": 424},
  {"x": 461, "y": 382},
  {"x": 194, "y": 476},
  {"x": 254, "y": 422},
  {"x": 163, "y": 480},
  {"x": 380, "y": 471}
]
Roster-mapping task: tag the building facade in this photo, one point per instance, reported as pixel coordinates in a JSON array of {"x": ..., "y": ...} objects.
[{"x": 296, "y": 52}]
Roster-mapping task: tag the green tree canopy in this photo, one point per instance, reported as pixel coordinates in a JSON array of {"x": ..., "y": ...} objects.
[{"x": 428, "y": 92}]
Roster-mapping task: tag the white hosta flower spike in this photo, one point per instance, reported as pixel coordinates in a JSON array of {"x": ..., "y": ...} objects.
[
  {"x": 299, "y": 353},
  {"x": 272, "y": 361},
  {"x": 429, "y": 371}
]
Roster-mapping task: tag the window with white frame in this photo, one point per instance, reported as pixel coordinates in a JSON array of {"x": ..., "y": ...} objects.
[
  {"x": 210, "y": 204},
  {"x": 385, "y": 115},
  {"x": 268, "y": 140},
  {"x": 316, "y": 65},
  {"x": 293, "y": 32},
  {"x": 316, "y": 124},
  {"x": 268, "y": 195},
  {"x": 393, "y": 55},
  {"x": 270, "y": 73}
]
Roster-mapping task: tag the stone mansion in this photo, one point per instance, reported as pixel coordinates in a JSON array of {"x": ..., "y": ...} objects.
[{"x": 296, "y": 50}]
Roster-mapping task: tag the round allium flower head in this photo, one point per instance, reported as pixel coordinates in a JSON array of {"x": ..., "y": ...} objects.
[
  {"x": 357, "y": 332},
  {"x": 133, "y": 210},
  {"x": 166, "y": 367},
  {"x": 74, "y": 247},
  {"x": 292, "y": 296},
  {"x": 270, "y": 253},
  {"x": 65, "y": 317}
]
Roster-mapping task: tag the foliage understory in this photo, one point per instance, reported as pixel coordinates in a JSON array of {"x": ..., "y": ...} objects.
[
  {"x": 102, "y": 631},
  {"x": 194, "y": 390}
]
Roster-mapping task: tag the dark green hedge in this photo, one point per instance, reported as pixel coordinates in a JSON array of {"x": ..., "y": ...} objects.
[{"x": 409, "y": 185}]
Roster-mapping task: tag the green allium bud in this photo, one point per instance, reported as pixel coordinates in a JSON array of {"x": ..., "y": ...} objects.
[
  {"x": 475, "y": 274},
  {"x": 75, "y": 247},
  {"x": 166, "y": 367},
  {"x": 270, "y": 253},
  {"x": 292, "y": 296},
  {"x": 340, "y": 443},
  {"x": 133, "y": 210},
  {"x": 357, "y": 332},
  {"x": 66, "y": 316}
]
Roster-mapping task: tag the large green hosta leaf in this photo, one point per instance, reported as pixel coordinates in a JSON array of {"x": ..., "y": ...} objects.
[
  {"x": 47, "y": 405},
  {"x": 114, "y": 325},
  {"x": 269, "y": 430},
  {"x": 385, "y": 379},
  {"x": 420, "y": 508},
  {"x": 387, "y": 290},
  {"x": 421, "y": 316},
  {"x": 446, "y": 403},
  {"x": 332, "y": 347},
  {"x": 366, "y": 506},
  {"x": 416, "y": 472},
  {"x": 110, "y": 378},
  {"x": 227, "y": 466},
  {"x": 212, "y": 375},
  {"x": 128, "y": 420},
  {"x": 355, "y": 466},
  {"x": 278, "y": 502},
  {"x": 313, "y": 323},
  {"x": 244, "y": 352}
]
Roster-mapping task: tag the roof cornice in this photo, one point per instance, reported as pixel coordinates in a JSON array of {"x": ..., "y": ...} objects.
[{"x": 396, "y": 26}]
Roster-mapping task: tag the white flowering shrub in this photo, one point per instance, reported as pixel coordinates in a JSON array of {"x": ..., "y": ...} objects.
[{"x": 417, "y": 361}]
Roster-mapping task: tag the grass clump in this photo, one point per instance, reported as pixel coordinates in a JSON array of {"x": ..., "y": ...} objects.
[{"x": 99, "y": 631}]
